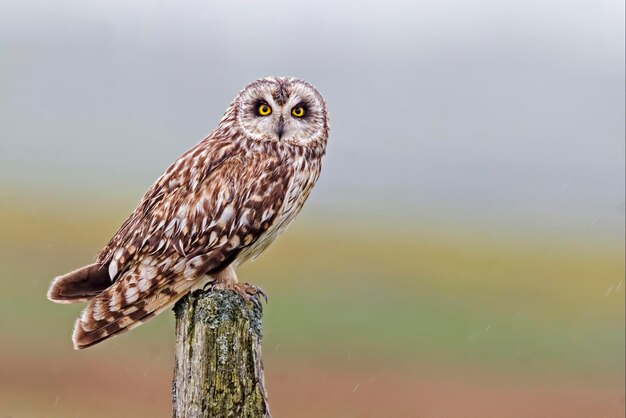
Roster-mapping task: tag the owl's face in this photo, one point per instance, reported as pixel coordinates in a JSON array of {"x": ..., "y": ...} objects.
[{"x": 285, "y": 110}]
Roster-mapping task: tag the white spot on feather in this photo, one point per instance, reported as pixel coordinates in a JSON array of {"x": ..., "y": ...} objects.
[
  {"x": 144, "y": 284},
  {"x": 200, "y": 206},
  {"x": 148, "y": 272},
  {"x": 170, "y": 227},
  {"x": 98, "y": 311},
  {"x": 182, "y": 210},
  {"x": 227, "y": 214},
  {"x": 113, "y": 269},
  {"x": 243, "y": 219},
  {"x": 131, "y": 294},
  {"x": 114, "y": 303},
  {"x": 267, "y": 214}
]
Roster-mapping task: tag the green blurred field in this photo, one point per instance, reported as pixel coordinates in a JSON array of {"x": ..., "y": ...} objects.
[{"x": 364, "y": 297}]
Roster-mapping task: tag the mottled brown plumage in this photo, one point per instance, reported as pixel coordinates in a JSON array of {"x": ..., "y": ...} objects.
[{"x": 219, "y": 204}]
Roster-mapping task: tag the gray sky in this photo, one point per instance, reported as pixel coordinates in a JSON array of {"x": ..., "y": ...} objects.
[{"x": 485, "y": 108}]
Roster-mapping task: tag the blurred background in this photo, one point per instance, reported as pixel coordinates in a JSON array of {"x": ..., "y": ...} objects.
[{"x": 462, "y": 254}]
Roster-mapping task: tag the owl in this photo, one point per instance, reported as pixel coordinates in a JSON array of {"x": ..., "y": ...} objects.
[{"x": 219, "y": 204}]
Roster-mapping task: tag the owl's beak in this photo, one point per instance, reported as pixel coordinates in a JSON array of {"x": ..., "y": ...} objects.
[{"x": 280, "y": 128}]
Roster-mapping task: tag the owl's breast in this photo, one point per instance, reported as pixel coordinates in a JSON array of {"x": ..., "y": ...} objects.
[{"x": 304, "y": 176}]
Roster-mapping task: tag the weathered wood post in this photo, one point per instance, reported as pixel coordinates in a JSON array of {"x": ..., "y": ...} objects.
[{"x": 219, "y": 370}]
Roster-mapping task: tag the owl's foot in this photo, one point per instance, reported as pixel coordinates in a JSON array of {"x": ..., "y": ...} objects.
[
  {"x": 245, "y": 290},
  {"x": 227, "y": 280}
]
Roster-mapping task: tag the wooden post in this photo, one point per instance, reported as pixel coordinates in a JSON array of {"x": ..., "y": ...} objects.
[{"x": 219, "y": 370}]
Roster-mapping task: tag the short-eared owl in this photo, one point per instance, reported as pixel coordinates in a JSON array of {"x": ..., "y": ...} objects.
[{"x": 219, "y": 204}]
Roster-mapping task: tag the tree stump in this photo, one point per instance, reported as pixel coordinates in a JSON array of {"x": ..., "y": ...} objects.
[{"x": 219, "y": 369}]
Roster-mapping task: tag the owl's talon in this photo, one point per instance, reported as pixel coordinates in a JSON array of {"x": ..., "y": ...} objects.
[
  {"x": 252, "y": 290},
  {"x": 262, "y": 293},
  {"x": 258, "y": 297},
  {"x": 248, "y": 291}
]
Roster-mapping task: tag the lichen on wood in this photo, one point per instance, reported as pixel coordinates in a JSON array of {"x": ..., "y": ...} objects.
[{"x": 219, "y": 369}]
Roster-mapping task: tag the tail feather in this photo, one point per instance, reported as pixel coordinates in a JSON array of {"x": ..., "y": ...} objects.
[
  {"x": 105, "y": 316},
  {"x": 80, "y": 285}
]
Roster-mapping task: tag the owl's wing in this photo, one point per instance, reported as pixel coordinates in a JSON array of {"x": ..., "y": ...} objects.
[
  {"x": 198, "y": 228},
  {"x": 157, "y": 215},
  {"x": 146, "y": 228}
]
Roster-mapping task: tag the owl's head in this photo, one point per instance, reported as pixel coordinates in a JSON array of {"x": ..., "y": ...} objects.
[{"x": 285, "y": 110}]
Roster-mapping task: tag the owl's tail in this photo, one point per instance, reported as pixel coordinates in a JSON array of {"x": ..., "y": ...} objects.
[
  {"x": 121, "y": 308},
  {"x": 80, "y": 285}
]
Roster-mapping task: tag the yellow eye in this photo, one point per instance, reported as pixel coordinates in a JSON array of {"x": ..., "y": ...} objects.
[
  {"x": 298, "y": 111},
  {"x": 264, "y": 109}
]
